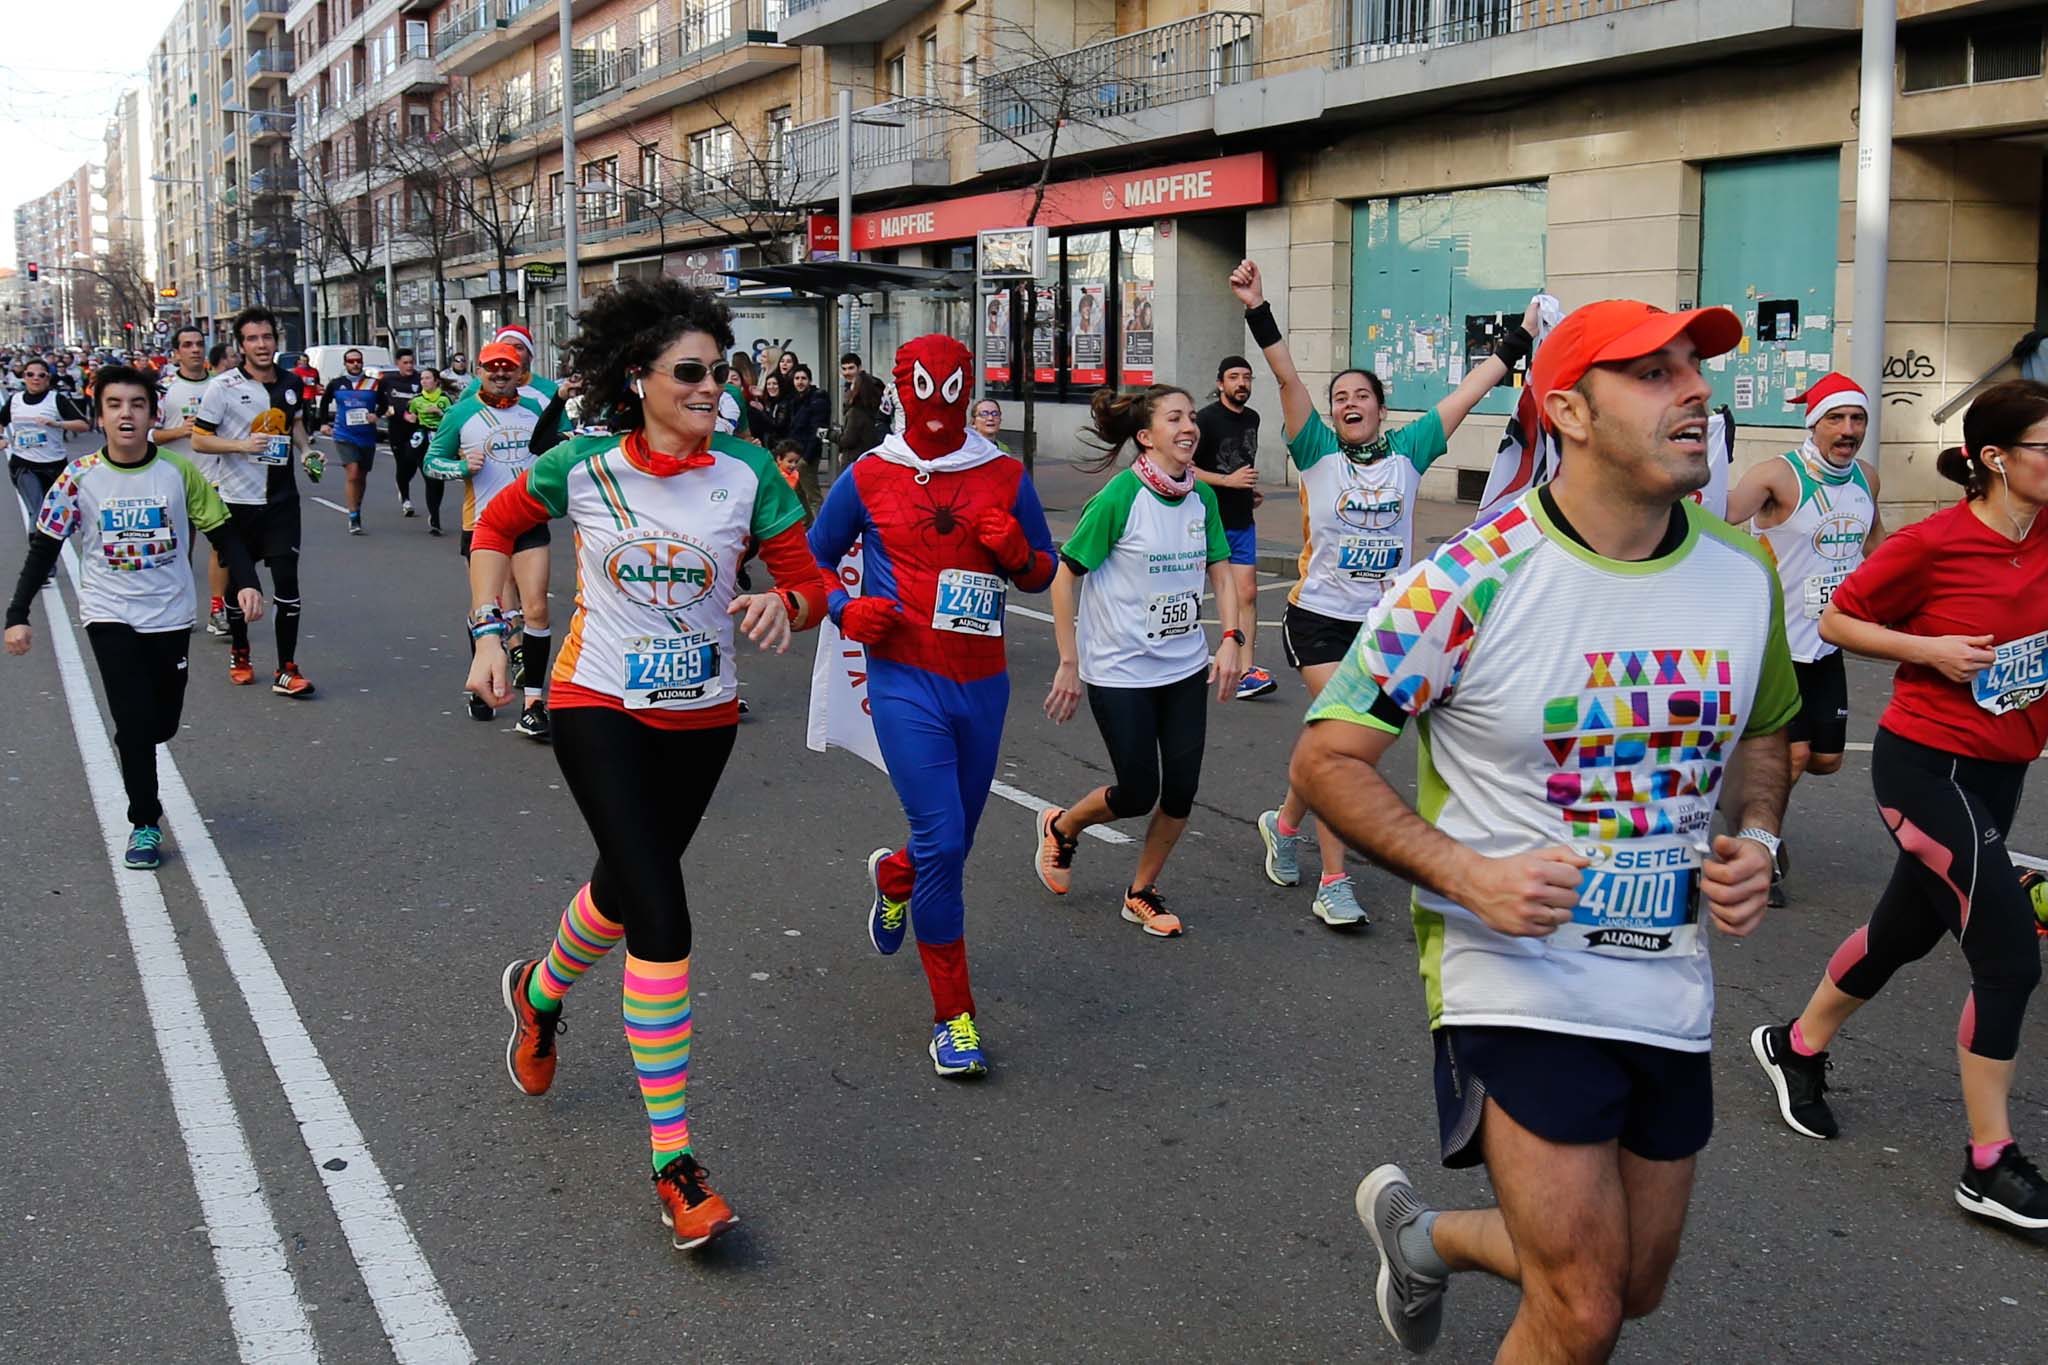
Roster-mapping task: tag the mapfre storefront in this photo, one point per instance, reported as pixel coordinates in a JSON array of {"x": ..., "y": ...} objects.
[{"x": 1134, "y": 284}]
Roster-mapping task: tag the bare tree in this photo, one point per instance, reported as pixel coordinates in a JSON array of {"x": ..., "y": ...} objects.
[
  {"x": 433, "y": 216},
  {"x": 344, "y": 233},
  {"x": 742, "y": 192},
  {"x": 492, "y": 188}
]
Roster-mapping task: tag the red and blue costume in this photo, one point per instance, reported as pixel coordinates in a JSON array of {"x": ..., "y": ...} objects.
[{"x": 946, "y": 523}]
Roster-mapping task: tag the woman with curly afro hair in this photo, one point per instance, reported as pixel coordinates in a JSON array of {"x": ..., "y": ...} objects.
[{"x": 645, "y": 696}]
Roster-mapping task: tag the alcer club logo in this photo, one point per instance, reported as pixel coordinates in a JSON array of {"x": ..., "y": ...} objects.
[
  {"x": 1839, "y": 537},
  {"x": 1370, "y": 509},
  {"x": 662, "y": 570}
]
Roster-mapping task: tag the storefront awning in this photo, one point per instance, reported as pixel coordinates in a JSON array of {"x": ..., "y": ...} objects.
[{"x": 832, "y": 278}]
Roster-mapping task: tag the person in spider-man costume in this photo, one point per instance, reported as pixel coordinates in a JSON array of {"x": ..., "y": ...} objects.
[{"x": 947, "y": 523}]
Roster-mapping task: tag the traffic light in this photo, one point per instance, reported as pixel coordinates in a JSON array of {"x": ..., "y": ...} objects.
[{"x": 34, "y": 272}]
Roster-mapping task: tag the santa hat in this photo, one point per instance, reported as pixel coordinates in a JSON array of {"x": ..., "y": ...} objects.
[
  {"x": 1832, "y": 391},
  {"x": 516, "y": 334}
]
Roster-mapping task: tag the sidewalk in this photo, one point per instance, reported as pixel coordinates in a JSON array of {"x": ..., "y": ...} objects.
[{"x": 1063, "y": 487}]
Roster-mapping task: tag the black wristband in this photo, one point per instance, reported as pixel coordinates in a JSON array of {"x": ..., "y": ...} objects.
[
  {"x": 1265, "y": 331},
  {"x": 1514, "y": 346}
]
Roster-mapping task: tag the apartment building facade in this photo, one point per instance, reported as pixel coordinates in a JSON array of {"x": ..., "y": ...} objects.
[
  {"x": 126, "y": 206},
  {"x": 224, "y": 188},
  {"x": 54, "y": 232}
]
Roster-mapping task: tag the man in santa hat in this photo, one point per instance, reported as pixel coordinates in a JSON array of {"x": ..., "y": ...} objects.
[{"x": 1815, "y": 509}]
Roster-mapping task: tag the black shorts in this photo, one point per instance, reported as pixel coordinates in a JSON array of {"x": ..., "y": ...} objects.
[
  {"x": 1656, "y": 1101},
  {"x": 1313, "y": 638},
  {"x": 1823, "y": 719},
  {"x": 348, "y": 452},
  {"x": 536, "y": 539},
  {"x": 268, "y": 530}
]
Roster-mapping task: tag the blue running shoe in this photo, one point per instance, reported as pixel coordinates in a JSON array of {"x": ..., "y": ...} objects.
[
  {"x": 1283, "y": 856},
  {"x": 886, "y": 918},
  {"x": 1257, "y": 683},
  {"x": 956, "y": 1048},
  {"x": 1337, "y": 906},
  {"x": 144, "y": 847}
]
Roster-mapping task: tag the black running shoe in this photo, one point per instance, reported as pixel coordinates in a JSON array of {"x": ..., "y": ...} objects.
[
  {"x": 479, "y": 709},
  {"x": 1801, "y": 1082},
  {"x": 533, "y": 722},
  {"x": 2010, "y": 1192}
]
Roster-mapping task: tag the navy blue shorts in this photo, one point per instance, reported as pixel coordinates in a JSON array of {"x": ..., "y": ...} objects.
[
  {"x": 1244, "y": 544},
  {"x": 1655, "y": 1101}
]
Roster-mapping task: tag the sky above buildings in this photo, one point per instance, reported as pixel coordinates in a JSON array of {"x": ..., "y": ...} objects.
[{"x": 62, "y": 67}]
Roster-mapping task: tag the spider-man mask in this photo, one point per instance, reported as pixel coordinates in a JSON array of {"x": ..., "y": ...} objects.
[{"x": 931, "y": 383}]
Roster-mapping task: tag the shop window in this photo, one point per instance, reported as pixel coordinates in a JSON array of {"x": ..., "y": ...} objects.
[
  {"x": 1134, "y": 304},
  {"x": 1767, "y": 250},
  {"x": 1433, "y": 278},
  {"x": 1092, "y": 324}
]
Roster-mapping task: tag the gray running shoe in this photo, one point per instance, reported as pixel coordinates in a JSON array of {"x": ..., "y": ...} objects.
[
  {"x": 1337, "y": 906},
  {"x": 1283, "y": 858},
  {"x": 1411, "y": 1303}
]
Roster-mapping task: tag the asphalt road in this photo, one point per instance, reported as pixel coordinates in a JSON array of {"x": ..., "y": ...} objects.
[{"x": 1160, "y": 1168}]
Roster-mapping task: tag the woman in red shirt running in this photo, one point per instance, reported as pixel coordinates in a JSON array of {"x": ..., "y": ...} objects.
[{"x": 1960, "y": 602}]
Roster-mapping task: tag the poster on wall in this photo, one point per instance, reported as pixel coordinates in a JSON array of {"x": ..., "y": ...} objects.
[
  {"x": 1137, "y": 348},
  {"x": 995, "y": 337},
  {"x": 1042, "y": 335},
  {"x": 764, "y": 326},
  {"x": 1090, "y": 316}
]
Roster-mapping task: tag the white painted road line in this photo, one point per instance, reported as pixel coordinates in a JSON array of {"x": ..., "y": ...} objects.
[
  {"x": 1035, "y": 804},
  {"x": 264, "y": 1310},
  {"x": 2038, "y": 864},
  {"x": 335, "y": 505},
  {"x": 1032, "y": 612},
  {"x": 417, "y": 1320}
]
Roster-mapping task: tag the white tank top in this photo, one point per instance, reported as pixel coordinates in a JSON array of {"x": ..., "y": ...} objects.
[
  {"x": 1817, "y": 547},
  {"x": 36, "y": 442}
]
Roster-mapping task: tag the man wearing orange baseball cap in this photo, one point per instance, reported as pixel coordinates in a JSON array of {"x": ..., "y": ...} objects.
[{"x": 1591, "y": 660}]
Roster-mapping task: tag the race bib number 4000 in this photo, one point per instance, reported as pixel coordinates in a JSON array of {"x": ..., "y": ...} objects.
[
  {"x": 671, "y": 670},
  {"x": 1369, "y": 556},
  {"x": 1636, "y": 900},
  {"x": 969, "y": 603},
  {"x": 2017, "y": 677}
]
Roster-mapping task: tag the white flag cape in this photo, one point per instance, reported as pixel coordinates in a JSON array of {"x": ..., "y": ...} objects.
[{"x": 839, "y": 683}]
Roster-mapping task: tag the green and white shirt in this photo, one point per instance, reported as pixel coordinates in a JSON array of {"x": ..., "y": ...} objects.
[
  {"x": 1818, "y": 546},
  {"x": 1146, "y": 559},
  {"x": 1358, "y": 514},
  {"x": 503, "y": 434},
  {"x": 132, "y": 527},
  {"x": 1565, "y": 698}
]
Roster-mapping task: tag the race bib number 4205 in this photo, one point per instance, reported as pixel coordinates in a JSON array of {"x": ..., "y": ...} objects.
[
  {"x": 1635, "y": 900},
  {"x": 969, "y": 603},
  {"x": 2017, "y": 677},
  {"x": 671, "y": 670}
]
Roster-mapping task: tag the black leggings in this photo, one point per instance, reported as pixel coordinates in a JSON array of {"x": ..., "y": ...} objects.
[
  {"x": 32, "y": 480},
  {"x": 642, "y": 791},
  {"x": 1949, "y": 816},
  {"x": 284, "y": 608},
  {"x": 144, "y": 677},
  {"x": 1154, "y": 736},
  {"x": 408, "y": 448}
]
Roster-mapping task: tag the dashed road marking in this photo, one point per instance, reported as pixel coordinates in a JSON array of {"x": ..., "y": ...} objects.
[{"x": 1035, "y": 804}]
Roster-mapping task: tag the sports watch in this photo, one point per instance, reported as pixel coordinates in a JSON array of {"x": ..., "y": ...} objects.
[
  {"x": 1757, "y": 835},
  {"x": 1234, "y": 635}
]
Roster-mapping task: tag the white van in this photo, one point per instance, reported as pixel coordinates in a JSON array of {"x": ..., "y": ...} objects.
[{"x": 327, "y": 360}]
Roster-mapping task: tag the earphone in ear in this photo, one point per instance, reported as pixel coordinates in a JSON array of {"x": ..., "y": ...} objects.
[{"x": 639, "y": 389}]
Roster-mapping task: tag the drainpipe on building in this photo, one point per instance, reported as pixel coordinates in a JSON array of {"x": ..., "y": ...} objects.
[
  {"x": 848, "y": 303},
  {"x": 1873, "y": 210},
  {"x": 571, "y": 209}
]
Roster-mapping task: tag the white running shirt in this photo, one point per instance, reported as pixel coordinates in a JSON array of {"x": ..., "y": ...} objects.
[
  {"x": 132, "y": 529},
  {"x": 1147, "y": 560}
]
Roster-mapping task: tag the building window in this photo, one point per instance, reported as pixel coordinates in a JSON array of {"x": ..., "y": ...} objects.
[
  {"x": 928, "y": 58},
  {"x": 895, "y": 76},
  {"x": 711, "y": 161},
  {"x": 650, "y": 180},
  {"x": 706, "y": 23},
  {"x": 970, "y": 77},
  {"x": 647, "y": 28},
  {"x": 416, "y": 38},
  {"x": 779, "y": 122},
  {"x": 1940, "y": 58},
  {"x": 601, "y": 175}
]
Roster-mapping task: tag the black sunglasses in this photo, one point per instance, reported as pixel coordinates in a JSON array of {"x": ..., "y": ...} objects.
[{"x": 694, "y": 371}]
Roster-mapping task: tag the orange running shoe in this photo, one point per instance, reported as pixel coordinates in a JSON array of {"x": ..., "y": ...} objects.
[
  {"x": 530, "y": 1052},
  {"x": 1144, "y": 908},
  {"x": 1055, "y": 853},
  {"x": 688, "y": 1206},
  {"x": 239, "y": 671},
  {"x": 289, "y": 682}
]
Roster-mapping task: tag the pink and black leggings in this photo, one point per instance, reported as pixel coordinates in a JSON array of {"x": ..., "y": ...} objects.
[{"x": 1949, "y": 816}]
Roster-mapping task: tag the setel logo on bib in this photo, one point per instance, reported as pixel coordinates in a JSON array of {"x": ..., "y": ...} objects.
[{"x": 662, "y": 570}]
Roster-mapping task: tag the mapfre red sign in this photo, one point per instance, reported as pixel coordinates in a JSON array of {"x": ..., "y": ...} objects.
[{"x": 1229, "y": 182}]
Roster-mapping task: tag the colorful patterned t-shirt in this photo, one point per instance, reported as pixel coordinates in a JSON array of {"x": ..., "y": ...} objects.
[
  {"x": 1565, "y": 698},
  {"x": 132, "y": 527}
]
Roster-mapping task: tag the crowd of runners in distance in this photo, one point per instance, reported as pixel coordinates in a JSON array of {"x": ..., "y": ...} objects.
[{"x": 1620, "y": 672}]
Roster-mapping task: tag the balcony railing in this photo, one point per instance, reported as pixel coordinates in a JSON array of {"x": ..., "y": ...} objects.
[
  {"x": 274, "y": 180},
  {"x": 227, "y": 144},
  {"x": 226, "y": 36},
  {"x": 1374, "y": 30},
  {"x": 271, "y": 61},
  {"x": 256, "y": 9},
  {"x": 468, "y": 20},
  {"x": 1185, "y": 60},
  {"x": 227, "y": 92},
  {"x": 918, "y": 134},
  {"x": 704, "y": 32},
  {"x": 270, "y": 125},
  {"x": 696, "y": 198}
]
